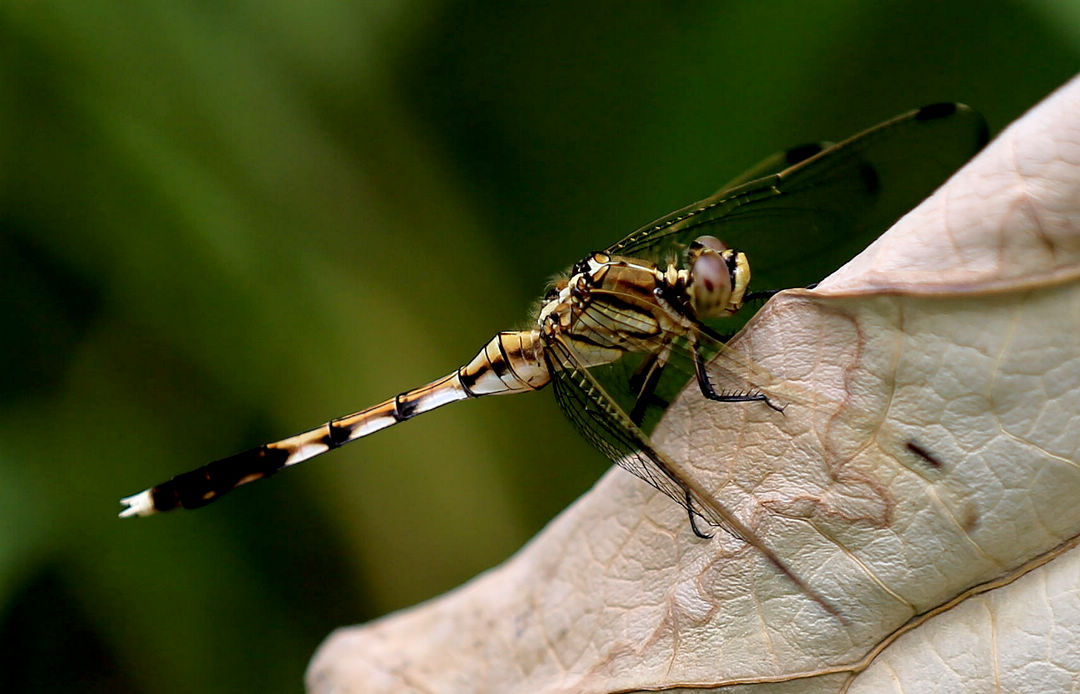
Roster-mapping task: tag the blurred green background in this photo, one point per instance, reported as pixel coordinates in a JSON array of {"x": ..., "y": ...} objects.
[{"x": 222, "y": 223}]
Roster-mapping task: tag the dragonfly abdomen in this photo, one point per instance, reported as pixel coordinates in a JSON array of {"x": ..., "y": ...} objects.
[
  {"x": 200, "y": 487},
  {"x": 511, "y": 362}
]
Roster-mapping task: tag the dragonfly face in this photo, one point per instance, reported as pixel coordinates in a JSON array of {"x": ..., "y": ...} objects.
[{"x": 627, "y": 329}]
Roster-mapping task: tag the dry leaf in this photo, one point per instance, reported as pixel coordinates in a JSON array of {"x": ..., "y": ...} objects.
[{"x": 922, "y": 478}]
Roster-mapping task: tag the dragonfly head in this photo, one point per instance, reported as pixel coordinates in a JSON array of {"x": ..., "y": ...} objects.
[{"x": 718, "y": 277}]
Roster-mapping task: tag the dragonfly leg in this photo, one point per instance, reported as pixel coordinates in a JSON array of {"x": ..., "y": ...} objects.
[
  {"x": 711, "y": 393},
  {"x": 644, "y": 382},
  {"x": 693, "y": 523}
]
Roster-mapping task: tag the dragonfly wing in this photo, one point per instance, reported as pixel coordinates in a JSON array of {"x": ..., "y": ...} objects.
[
  {"x": 606, "y": 425},
  {"x": 800, "y": 224},
  {"x": 609, "y": 428},
  {"x": 778, "y": 162}
]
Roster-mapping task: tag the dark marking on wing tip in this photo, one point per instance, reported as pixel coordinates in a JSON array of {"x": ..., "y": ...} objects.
[
  {"x": 925, "y": 455},
  {"x": 935, "y": 111},
  {"x": 870, "y": 178},
  {"x": 983, "y": 136},
  {"x": 801, "y": 153}
]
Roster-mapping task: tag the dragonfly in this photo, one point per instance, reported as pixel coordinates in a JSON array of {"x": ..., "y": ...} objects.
[{"x": 628, "y": 327}]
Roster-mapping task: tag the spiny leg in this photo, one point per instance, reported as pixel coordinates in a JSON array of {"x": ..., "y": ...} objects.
[
  {"x": 709, "y": 392},
  {"x": 645, "y": 380}
]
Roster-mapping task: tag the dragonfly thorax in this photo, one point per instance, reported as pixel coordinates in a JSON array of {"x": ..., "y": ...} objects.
[
  {"x": 611, "y": 305},
  {"x": 643, "y": 295}
]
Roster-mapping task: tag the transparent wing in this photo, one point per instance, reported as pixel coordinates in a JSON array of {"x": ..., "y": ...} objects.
[
  {"x": 607, "y": 426},
  {"x": 800, "y": 221},
  {"x": 610, "y": 429},
  {"x": 652, "y": 372},
  {"x": 776, "y": 163}
]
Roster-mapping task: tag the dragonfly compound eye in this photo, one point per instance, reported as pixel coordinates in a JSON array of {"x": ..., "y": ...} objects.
[
  {"x": 719, "y": 278},
  {"x": 703, "y": 243}
]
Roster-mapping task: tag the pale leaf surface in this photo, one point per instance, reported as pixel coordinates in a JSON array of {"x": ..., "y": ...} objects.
[{"x": 923, "y": 478}]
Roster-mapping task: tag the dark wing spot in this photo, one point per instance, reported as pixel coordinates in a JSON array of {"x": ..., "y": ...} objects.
[
  {"x": 870, "y": 178},
  {"x": 802, "y": 153},
  {"x": 984, "y": 134},
  {"x": 935, "y": 111}
]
